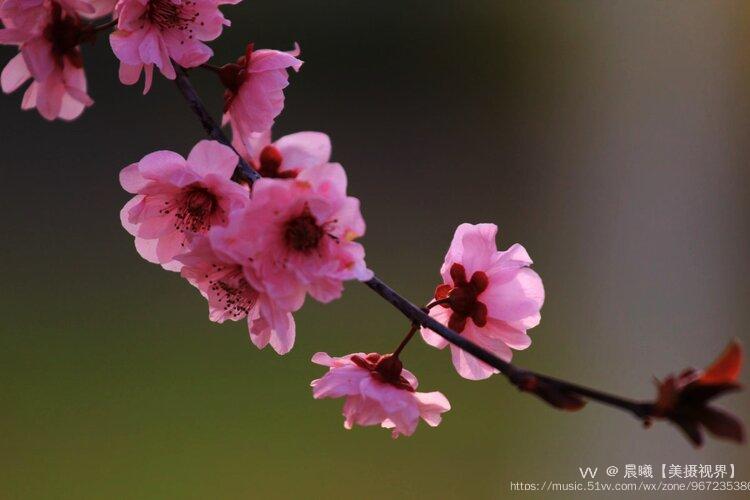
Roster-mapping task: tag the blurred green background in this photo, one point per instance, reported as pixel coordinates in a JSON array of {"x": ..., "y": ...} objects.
[{"x": 610, "y": 138}]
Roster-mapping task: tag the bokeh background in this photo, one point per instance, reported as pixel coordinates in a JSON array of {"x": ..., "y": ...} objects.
[{"x": 610, "y": 138}]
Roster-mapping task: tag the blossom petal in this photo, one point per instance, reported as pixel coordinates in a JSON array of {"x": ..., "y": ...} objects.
[
  {"x": 14, "y": 74},
  {"x": 431, "y": 406},
  {"x": 304, "y": 150},
  {"x": 37, "y": 53},
  {"x": 512, "y": 337},
  {"x": 518, "y": 299},
  {"x": 212, "y": 157},
  {"x": 131, "y": 179},
  {"x": 442, "y": 315},
  {"x": 161, "y": 164}
]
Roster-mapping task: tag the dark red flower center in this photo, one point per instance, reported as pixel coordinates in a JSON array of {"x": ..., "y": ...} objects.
[
  {"x": 270, "y": 162},
  {"x": 302, "y": 233},
  {"x": 463, "y": 298},
  {"x": 193, "y": 209},
  {"x": 65, "y": 33},
  {"x": 386, "y": 368}
]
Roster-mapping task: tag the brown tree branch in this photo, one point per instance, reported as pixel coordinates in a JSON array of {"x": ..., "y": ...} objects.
[
  {"x": 521, "y": 378},
  {"x": 558, "y": 393}
]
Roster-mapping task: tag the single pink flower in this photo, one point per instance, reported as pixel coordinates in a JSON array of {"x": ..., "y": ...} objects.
[
  {"x": 231, "y": 297},
  {"x": 299, "y": 236},
  {"x": 378, "y": 391},
  {"x": 255, "y": 85},
  {"x": 177, "y": 199},
  {"x": 286, "y": 157},
  {"x": 153, "y": 32},
  {"x": 488, "y": 296},
  {"x": 49, "y": 54}
]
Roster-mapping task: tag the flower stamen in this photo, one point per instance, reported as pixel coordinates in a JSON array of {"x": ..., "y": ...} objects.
[{"x": 194, "y": 209}]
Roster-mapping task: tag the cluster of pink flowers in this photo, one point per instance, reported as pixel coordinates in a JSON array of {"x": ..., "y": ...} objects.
[
  {"x": 255, "y": 252},
  {"x": 157, "y": 32},
  {"x": 149, "y": 33}
]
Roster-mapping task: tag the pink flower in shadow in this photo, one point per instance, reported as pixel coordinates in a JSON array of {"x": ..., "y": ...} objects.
[{"x": 255, "y": 85}]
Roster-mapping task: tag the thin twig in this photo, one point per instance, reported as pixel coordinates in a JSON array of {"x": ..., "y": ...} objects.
[
  {"x": 523, "y": 379},
  {"x": 438, "y": 302},
  {"x": 211, "y": 67},
  {"x": 105, "y": 26},
  {"x": 243, "y": 171},
  {"x": 407, "y": 338}
]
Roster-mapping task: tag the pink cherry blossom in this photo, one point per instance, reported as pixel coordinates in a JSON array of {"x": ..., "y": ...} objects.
[
  {"x": 255, "y": 85},
  {"x": 49, "y": 54},
  {"x": 177, "y": 199},
  {"x": 299, "y": 235},
  {"x": 153, "y": 32},
  {"x": 490, "y": 297},
  {"x": 286, "y": 157},
  {"x": 231, "y": 297},
  {"x": 378, "y": 391}
]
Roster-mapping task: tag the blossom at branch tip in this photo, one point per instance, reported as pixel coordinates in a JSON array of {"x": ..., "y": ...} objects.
[
  {"x": 255, "y": 84},
  {"x": 49, "y": 54},
  {"x": 155, "y": 32},
  {"x": 177, "y": 199},
  {"x": 683, "y": 399},
  {"x": 287, "y": 156},
  {"x": 378, "y": 391},
  {"x": 298, "y": 234},
  {"x": 222, "y": 282},
  {"x": 490, "y": 297}
]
